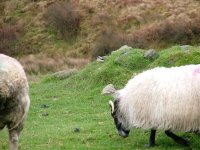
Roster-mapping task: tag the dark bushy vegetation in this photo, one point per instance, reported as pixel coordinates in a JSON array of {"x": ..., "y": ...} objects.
[
  {"x": 65, "y": 18},
  {"x": 157, "y": 35},
  {"x": 10, "y": 43},
  {"x": 107, "y": 41},
  {"x": 168, "y": 32},
  {"x": 8, "y": 38}
]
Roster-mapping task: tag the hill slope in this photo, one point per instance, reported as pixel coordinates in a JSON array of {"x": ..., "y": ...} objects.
[
  {"x": 69, "y": 112},
  {"x": 53, "y": 35}
]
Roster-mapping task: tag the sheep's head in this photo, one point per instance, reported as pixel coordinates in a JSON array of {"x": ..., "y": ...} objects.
[{"x": 114, "y": 113}]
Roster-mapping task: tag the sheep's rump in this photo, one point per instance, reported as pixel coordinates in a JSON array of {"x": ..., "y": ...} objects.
[
  {"x": 14, "y": 100},
  {"x": 163, "y": 98}
]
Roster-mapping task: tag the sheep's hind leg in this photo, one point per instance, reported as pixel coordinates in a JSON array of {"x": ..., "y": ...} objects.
[
  {"x": 176, "y": 138},
  {"x": 151, "y": 139},
  {"x": 13, "y": 139}
]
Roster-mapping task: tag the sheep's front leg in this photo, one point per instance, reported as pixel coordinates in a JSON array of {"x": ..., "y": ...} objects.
[
  {"x": 176, "y": 138},
  {"x": 13, "y": 139},
  {"x": 151, "y": 139}
]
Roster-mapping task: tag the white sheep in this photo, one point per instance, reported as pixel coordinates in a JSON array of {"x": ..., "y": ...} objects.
[
  {"x": 160, "y": 98},
  {"x": 14, "y": 98}
]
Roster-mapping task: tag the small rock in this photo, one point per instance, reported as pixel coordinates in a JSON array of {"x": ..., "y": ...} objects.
[
  {"x": 123, "y": 49},
  {"x": 185, "y": 47},
  {"x": 45, "y": 114},
  {"x": 65, "y": 73},
  {"x": 109, "y": 89},
  {"x": 100, "y": 59},
  {"x": 44, "y": 106},
  {"x": 77, "y": 130},
  {"x": 151, "y": 54}
]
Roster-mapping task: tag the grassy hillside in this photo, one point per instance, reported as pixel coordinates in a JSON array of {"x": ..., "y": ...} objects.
[
  {"x": 52, "y": 35},
  {"x": 69, "y": 112}
]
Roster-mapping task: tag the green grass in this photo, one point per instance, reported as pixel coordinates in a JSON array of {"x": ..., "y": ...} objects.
[{"x": 76, "y": 102}]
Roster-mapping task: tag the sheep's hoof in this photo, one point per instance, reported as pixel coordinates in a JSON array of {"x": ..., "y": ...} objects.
[
  {"x": 186, "y": 143},
  {"x": 183, "y": 142},
  {"x": 149, "y": 145}
]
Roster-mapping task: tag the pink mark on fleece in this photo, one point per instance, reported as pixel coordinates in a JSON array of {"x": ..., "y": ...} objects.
[{"x": 197, "y": 70}]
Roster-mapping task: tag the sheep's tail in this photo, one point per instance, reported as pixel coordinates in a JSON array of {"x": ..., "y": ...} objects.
[{"x": 109, "y": 89}]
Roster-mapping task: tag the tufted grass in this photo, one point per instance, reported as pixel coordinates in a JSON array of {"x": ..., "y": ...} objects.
[{"x": 76, "y": 102}]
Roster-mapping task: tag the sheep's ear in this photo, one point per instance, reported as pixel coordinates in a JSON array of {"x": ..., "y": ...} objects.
[{"x": 111, "y": 106}]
